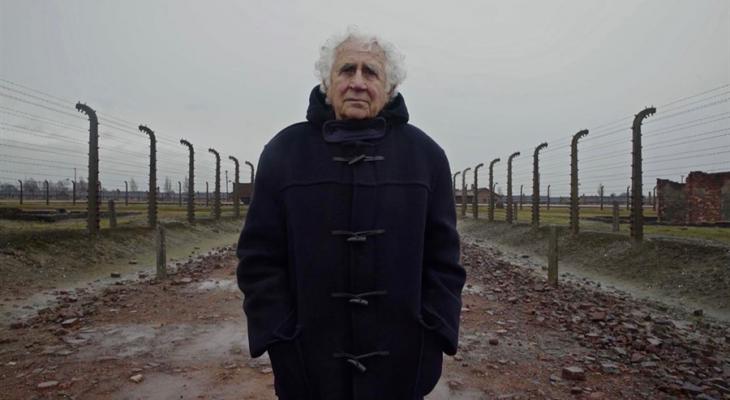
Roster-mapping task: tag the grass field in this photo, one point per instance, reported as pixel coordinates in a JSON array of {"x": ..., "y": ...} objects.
[
  {"x": 171, "y": 213},
  {"x": 166, "y": 213},
  {"x": 561, "y": 216}
]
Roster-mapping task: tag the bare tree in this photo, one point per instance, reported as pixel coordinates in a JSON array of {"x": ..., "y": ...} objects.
[
  {"x": 167, "y": 187},
  {"x": 60, "y": 189},
  {"x": 31, "y": 186},
  {"x": 82, "y": 186},
  {"x": 132, "y": 185}
]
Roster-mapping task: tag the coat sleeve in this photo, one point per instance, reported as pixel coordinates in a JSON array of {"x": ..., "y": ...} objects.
[
  {"x": 262, "y": 254},
  {"x": 443, "y": 276}
]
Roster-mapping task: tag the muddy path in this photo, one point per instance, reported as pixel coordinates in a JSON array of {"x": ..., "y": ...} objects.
[
  {"x": 32, "y": 274},
  {"x": 684, "y": 276},
  {"x": 185, "y": 338}
]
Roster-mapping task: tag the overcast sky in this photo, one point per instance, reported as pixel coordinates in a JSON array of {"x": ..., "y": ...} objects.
[{"x": 485, "y": 78}]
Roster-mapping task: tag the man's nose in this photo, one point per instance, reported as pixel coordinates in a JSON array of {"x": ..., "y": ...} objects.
[{"x": 358, "y": 81}]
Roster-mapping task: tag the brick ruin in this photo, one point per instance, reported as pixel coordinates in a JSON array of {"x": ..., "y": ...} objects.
[
  {"x": 703, "y": 198},
  {"x": 482, "y": 196}
]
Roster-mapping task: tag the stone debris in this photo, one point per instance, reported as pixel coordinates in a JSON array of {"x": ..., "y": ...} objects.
[
  {"x": 619, "y": 334},
  {"x": 182, "y": 281},
  {"x": 589, "y": 341},
  {"x": 47, "y": 384},
  {"x": 71, "y": 322},
  {"x": 455, "y": 384},
  {"x": 574, "y": 373},
  {"x": 609, "y": 368}
]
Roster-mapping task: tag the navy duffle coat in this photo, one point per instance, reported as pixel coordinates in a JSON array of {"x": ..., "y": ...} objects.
[{"x": 349, "y": 258}]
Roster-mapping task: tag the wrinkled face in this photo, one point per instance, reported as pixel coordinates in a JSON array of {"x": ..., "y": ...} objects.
[{"x": 357, "y": 81}]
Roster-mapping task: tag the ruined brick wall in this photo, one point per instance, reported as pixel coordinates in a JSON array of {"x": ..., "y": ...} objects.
[
  {"x": 671, "y": 202},
  {"x": 482, "y": 195},
  {"x": 244, "y": 190},
  {"x": 708, "y": 197}
]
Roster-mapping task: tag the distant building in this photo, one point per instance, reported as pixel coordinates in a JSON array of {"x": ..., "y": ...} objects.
[
  {"x": 482, "y": 196},
  {"x": 244, "y": 192},
  {"x": 703, "y": 198}
]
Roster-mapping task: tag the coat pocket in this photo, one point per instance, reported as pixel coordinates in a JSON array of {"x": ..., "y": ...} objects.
[
  {"x": 431, "y": 360},
  {"x": 287, "y": 362},
  {"x": 290, "y": 381}
]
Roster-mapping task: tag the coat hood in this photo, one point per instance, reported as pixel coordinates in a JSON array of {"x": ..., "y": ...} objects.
[{"x": 319, "y": 112}]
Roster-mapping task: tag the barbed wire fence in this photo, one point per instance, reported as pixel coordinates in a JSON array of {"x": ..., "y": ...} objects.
[
  {"x": 691, "y": 133},
  {"x": 44, "y": 146}
]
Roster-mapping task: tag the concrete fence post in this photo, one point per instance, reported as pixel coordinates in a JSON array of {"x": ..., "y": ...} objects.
[
  {"x": 92, "y": 204},
  {"x": 236, "y": 195},
  {"x": 48, "y": 192},
  {"x": 455, "y": 176},
  {"x": 21, "y": 191},
  {"x": 464, "y": 191},
  {"x": 492, "y": 197},
  {"x": 616, "y": 224},
  {"x": 510, "y": 202},
  {"x": 637, "y": 209},
  {"x": 628, "y": 197},
  {"x": 73, "y": 192},
  {"x": 521, "y": 196},
  {"x": 475, "y": 200},
  {"x": 161, "y": 253},
  {"x": 126, "y": 193},
  {"x": 600, "y": 193},
  {"x": 152, "y": 198},
  {"x": 574, "y": 217},
  {"x": 252, "y": 177},
  {"x": 548, "y": 198},
  {"x": 217, "y": 187},
  {"x": 191, "y": 180},
  {"x": 99, "y": 193},
  {"x": 536, "y": 185}
]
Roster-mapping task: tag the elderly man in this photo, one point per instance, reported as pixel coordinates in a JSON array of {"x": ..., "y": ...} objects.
[{"x": 349, "y": 258}]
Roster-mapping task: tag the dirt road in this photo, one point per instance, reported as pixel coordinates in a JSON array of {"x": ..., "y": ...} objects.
[{"x": 185, "y": 338}]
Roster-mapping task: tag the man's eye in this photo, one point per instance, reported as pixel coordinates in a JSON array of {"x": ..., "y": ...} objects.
[
  {"x": 348, "y": 69},
  {"x": 370, "y": 72}
]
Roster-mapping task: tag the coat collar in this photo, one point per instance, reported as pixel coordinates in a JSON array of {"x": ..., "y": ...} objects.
[{"x": 319, "y": 112}]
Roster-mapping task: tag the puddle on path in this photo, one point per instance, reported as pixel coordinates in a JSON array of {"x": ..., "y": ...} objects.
[
  {"x": 228, "y": 285},
  {"x": 195, "y": 345},
  {"x": 98, "y": 278},
  {"x": 195, "y": 385},
  {"x": 472, "y": 288},
  {"x": 167, "y": 343},
  {"x": 442, "y": 392}
]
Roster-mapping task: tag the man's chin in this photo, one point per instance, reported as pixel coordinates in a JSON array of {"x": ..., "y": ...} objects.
[{"x": 355, "y": 114}]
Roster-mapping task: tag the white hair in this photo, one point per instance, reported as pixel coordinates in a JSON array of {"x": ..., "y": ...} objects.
[{"x": 395, "y": 72}]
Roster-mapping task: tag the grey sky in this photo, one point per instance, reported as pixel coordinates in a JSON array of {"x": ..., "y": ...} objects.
[{"x": 485, "y": 78}]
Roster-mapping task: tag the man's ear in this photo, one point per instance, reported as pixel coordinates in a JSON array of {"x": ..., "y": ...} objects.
[
  {"x": 390, "y": 93},
  {"x": 323, "y": 88},
  {"x": 392, "y": 90}
]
